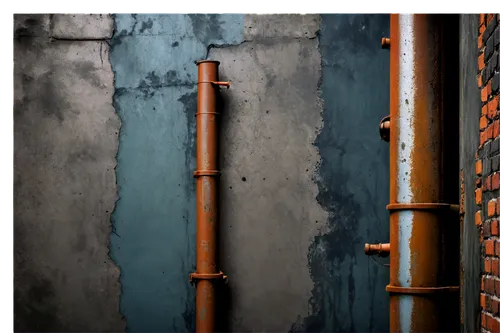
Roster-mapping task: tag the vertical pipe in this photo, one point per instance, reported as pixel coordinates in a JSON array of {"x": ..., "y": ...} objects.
[
  {"x": 418, "y": 284},
  {"x": 207, "y": 273}
]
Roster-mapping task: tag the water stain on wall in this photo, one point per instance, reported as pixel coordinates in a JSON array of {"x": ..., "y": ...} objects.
[{"x": 349, "y": 289}]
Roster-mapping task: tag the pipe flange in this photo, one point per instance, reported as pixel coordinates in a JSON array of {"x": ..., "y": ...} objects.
[
  {"x": 421, "y": 290},
  {"x": 211, "y": 173},
  {"x": 421, "y": 206}
]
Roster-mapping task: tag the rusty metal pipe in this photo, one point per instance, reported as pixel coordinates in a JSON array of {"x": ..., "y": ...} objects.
[
  {"x": 207, "y": 273},
  {"x": 382, "y": 250},
  {"x": 418, "y": 285}
]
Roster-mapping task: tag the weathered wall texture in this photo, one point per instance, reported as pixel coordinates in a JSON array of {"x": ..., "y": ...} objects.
[
  {"x": 291, "y": 234},
  {"x": 269, "y": 210},
  {"x": 65, "y": 142},
  {"x": 153, "y": 57},
  {"x": 304, "y": 173},
  {"x": 470, "y": 105},
  {"x": 353, "y": 178}
]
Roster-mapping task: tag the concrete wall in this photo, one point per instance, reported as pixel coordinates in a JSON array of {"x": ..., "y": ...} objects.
[
  {"x": 65, "y": 142},
  {"x": 304, "y": 173}
]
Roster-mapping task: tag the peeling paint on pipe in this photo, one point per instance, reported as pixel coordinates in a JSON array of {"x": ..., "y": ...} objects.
[{"x": 418, "y": 278}]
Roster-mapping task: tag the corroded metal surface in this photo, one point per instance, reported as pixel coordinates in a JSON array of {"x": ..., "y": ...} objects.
[
  {"x": 207, "y": 273},
  {"x": 417, "y": 218}
]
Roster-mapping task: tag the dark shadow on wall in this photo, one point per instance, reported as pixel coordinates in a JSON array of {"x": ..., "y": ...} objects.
[
  {"x": 470, "y": 106},
  {"x": 224, "y": 295}
]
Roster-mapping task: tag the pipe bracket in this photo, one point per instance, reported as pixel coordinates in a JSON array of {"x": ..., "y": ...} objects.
[
  {"x": 197, "y": 113},
  {"x": 386, "y": 43},
  {"x": 421, "y": 206},
  {"x": 385, "y": 128},
  {"x": 381, "y": 250},
  {"x": 421, "y": 290},
  {"x": 212, "y": 173},
  {"x": 193, "y": 277},
  {"x": 217, "y": 83}
]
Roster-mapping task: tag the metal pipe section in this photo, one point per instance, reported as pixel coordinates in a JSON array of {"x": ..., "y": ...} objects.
[
  {"x": 207, "y": 273},
  {"x": 382, "y": 250},
  {"x": 419, "y": 288}
]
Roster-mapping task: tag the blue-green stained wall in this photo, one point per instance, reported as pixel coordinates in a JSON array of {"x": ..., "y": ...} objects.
[
  {"x": 153, "y": 237},
  {"x": 153, "y": 58}
]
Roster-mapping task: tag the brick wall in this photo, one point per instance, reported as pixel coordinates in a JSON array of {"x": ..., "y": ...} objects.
[{"x": 488, "y": 171}]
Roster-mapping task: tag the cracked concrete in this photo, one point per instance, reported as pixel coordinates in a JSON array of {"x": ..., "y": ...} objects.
[
  {"x": 65, "y": 142},
  {"x": 291, "y": 222},
  {"x": 269, "y": 214}
]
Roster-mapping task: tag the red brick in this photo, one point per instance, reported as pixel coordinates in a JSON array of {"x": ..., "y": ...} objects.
[
  {"x": 479, "y": 42},
  {"x": 480, "y": 79},
  {"x": 483, "y": 138},
  {"x": 479, "y": 167},
  {"x": 482, "y": 301},
  {"x": 483, "y": 122},
  {"x": 492, "y": 207},
  {"x": 495, "y": 181},
  {"x": 496, "y": 128},
  {"x": 495, "y": 266},
  {"x": 497, "y": 252},
  {"x": 495, "y": 306},
  {"x": 478, "y": 218},
  {"x": 483, "y": 282},
  {"x": 489, "y": 132},
  {"x": 487, "y": 184},
  {"x": 489, "y": 89},
  {"x": 489, "y": 285},
  {"x": 494, "y": 228},
  {"x": 487, "y": 265},
  {"x": 484, "y": 94},
  {"x": 498, "y": 205},
  {"x": 489, "y": 247},
  {"x": 480, "y": 61},
  {"x": 478, "y": 183},
  {"x": 481, "y": 30},
  {"x": 484, "y": 109},
  {"x": 493, "y": 324},
  {"x": 479, "y": 196},
  {"x": 497, "y": 288},
  {"x": 483, "y": 320},
  {"x": 481, "y": 19}
]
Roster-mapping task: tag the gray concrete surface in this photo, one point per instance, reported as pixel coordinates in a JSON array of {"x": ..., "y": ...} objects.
[
  {"x": 65, "y": 142},
  {"x": 300, "y": 193},
  {"x": 269, "y": 212}
]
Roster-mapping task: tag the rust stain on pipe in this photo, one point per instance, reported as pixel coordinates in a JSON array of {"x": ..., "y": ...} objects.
[
  {"x": 207, "y": 272},
  {"x": 418, "y": 286}
]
